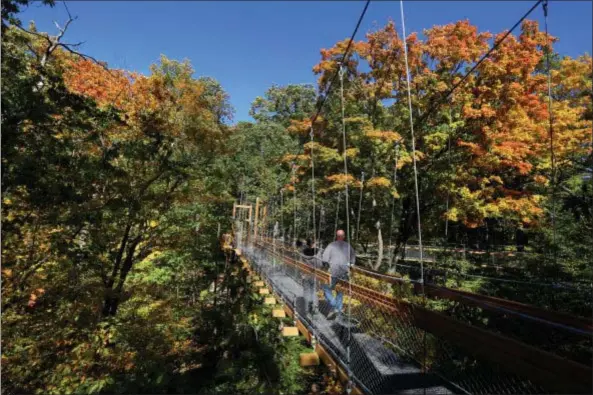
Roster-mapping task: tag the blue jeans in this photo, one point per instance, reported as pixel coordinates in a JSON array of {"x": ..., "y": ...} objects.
[{"x": 335, "y": 303}]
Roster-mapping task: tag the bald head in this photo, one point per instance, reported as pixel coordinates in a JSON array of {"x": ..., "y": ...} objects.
[{"x": 340, "y": 235}]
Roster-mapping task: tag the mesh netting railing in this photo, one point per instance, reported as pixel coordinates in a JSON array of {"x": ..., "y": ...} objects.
[{"x": 390, "y": 342}]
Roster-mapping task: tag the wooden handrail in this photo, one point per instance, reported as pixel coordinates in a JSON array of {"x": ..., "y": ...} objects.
[
  {"x": 583, "y": 325},
  {"x": 547, "y": 369}
]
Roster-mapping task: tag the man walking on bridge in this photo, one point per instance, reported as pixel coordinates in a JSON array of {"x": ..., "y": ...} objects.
[{"x": 340, "y": 256}]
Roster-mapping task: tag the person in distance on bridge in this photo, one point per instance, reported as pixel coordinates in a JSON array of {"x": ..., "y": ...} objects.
[
  {"x": 311, "y": 258},
  {"x": 340, "y": 256}
]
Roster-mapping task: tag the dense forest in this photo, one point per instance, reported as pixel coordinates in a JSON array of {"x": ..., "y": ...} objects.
[{"x": 116, "y": 187}]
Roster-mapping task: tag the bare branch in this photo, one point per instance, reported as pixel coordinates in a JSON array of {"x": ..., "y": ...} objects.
[
  {"x": 66, "y": 46},
  {"x": 73, "y": 44},
  {"x": 82, "y": 55},
  {"x": 67, "y": 10}
]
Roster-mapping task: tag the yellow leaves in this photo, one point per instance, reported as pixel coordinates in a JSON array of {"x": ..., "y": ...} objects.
[
  {"x": 496, "y": 179},
  {"x": 153, "y": 223},
  {"x": 7, "y": 201},
  {"x": 436, "y": 141},
  {"x": 352, "y": 152},
  {"x": 385, "y": 136},
  {"x": 441, "y": 86},
  {"x": 339, "y": 181},
  {"x": 145, "y": 311},
  {"x": 322, "y": 153},
  {"x": 378, "y": 182},
  {"x": 294, "y": 158},
  {"x": 473, "y": 206}
]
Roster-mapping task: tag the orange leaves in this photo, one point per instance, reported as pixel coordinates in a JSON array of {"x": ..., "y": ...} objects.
[
  {"x": 541, "y": 180},
  {"x": 300, "y": 127},
  {"x": 497, "y": 119},
  {"x": 339, "y": 181},
  {"x": 169, "y": 94},
  {"x": 106, "y": 87},
  {"x": 34, "y": 296},
  {"x": 456, "y": 43},
  {"x": 385, "y": 136},
  {"x": 330, "y": 58}
]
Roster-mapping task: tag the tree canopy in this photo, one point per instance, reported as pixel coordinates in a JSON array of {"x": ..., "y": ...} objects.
[{"x": 115, "y": 185}]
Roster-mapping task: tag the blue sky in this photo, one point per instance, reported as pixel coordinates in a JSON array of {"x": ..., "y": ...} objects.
[{"x": 249, "y": 45}]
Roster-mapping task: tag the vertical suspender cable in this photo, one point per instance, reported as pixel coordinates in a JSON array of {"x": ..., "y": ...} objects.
[
  {"x": 551, "y": 126},
  {"x": 359, "y": 207},
  {"x": 314, "y": 219},
  {"x": 294, "y": 201},
  {"x": 313, "y": 187},
  {"x": 337, "y": 212},
  {"x": 283, "y": 231},
  {"x": 448, "y": 191},
  {"x": 419, "y": 223},
  {"x": 344, "y": 154},
  {"x": 391, "y": 251},
  {"x": 350, "y": 278}
]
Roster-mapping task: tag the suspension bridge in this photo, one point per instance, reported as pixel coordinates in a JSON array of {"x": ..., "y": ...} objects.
[
  {"x": 388, "y": 344},
  {"x": 410, "y": 335}
]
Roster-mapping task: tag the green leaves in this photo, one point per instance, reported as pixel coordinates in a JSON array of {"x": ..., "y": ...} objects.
[{"x": 281, "y": 104}]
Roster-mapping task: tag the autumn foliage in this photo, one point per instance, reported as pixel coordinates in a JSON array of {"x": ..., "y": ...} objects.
[{"x": 494, "y": 130}]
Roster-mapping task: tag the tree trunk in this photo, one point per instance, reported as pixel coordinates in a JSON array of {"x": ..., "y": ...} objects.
[{"x": 113, "y": 297}]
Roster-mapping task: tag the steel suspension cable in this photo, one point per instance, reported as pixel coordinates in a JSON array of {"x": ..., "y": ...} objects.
[
  {"x": 359, "y": 207},
  {"x": 282, "y": 220},
  {"x": 448, "y": 94},
  {"x": 393, "y": 204},
  {"x": 342, "y": 61},
  {"x": 448, "y": 189},
  {"x": 418, "y": 217},
  {"x": 551, "y": 126},
  {"x": 294, "y": 201},
  {"x": 350, "y": 276},
  {"x": 314, "y": 245},
  {"x": 337, "y": 212}
]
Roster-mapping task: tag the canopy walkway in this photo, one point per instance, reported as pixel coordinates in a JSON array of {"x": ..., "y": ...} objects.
[
  {"x": 399, "y": 335},
  {"x": 391, "y": 344}
]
